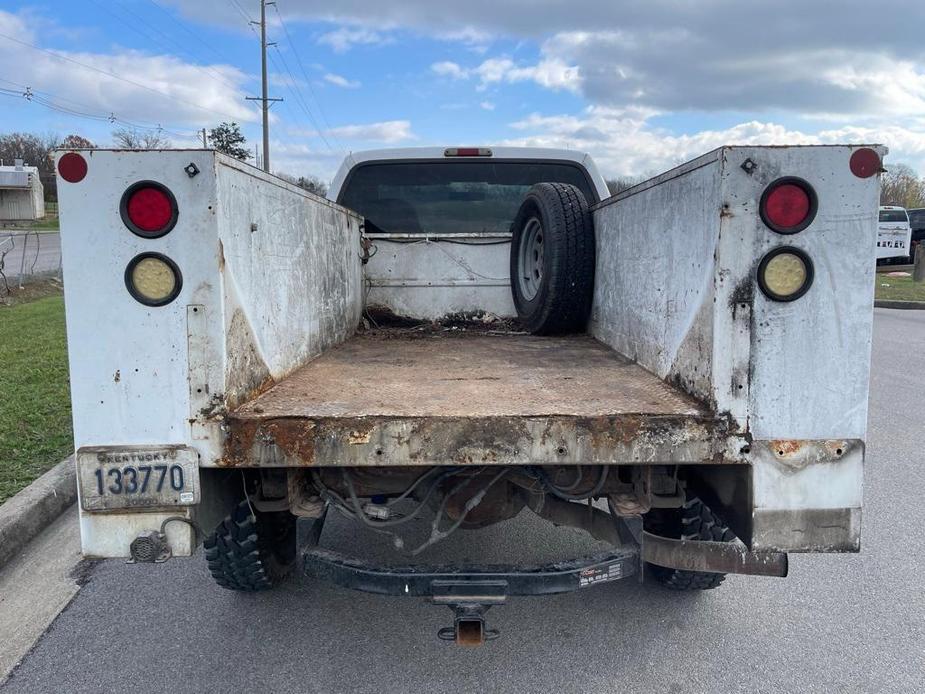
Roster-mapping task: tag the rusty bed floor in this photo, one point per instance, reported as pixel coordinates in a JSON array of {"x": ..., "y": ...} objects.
[{"x": 412, "y": 398}]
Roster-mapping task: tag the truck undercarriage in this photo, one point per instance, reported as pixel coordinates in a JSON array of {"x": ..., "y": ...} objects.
[{"x": 641, "y": 516}]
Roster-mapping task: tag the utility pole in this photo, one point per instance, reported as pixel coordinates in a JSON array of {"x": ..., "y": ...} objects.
[
  {"x": 205, "y": 145},
  {"x": 264, "y": 99}
]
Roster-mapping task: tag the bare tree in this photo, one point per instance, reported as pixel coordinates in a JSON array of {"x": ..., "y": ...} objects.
[
  {"x": 902, "y": 186},
  {"x": 74, "y": 141},
  {"x": 311, "y": 183},
  {"x": 131, "y": 138},
  {"x": 618, "y": 185},
  {"x": 34, "y": 150}
]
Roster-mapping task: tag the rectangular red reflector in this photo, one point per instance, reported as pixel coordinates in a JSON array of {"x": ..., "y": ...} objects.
[{"x": 467, "y": 152}]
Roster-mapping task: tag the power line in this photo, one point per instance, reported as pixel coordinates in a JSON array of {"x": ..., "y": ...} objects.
[
  {"x": 265, "y": 100},
  {"x": 136, "y": 27},
  {"x": 308, "y": 81},
  {"x": 115, "y": 76},
  {"x": 196, "y": 36},
  {"x": 294, "y": 89},
  {"x": 244, "y": 14},
  {"x": 54, "y": 103},
  {"x": 300, "y": 100}
]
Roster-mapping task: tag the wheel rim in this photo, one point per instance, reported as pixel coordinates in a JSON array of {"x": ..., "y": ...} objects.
[{"x": 530, "y": 259}]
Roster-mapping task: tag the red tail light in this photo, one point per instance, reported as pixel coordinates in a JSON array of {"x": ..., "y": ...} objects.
[
  {"x": 788, "y": 205},
  {"x": 467, "y": 152},
  {"x": 149, "y": 209}
]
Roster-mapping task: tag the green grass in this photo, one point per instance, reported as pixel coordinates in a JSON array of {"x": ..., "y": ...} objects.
[
  {"x": 35, "y": 406},
  {"x": 50, "y": 223},
  {"x": 899, "y": 289}
]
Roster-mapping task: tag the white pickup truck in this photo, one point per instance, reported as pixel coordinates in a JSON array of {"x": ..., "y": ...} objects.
[
  {"x": 894, "y": 233},
  {"x": 461, "y": 335}
]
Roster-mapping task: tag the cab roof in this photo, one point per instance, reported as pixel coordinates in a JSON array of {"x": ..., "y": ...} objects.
[{"x": 497, "y": 153}]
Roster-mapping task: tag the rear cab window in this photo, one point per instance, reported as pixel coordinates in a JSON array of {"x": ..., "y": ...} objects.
[
  {"x": 449, "y": 197},
  {"x": 894, "y": 216}
]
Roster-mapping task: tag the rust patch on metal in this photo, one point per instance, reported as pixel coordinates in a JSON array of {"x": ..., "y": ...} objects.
[
  {"x": 786, "y": 447},
  {"x": 795, "y": 454},
  {"x": 472, "y": 399},
  {"x": 358, "y": 437},
  {"x": 406, "y": 441}
]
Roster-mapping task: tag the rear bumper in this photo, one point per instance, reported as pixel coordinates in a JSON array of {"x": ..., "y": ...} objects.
[{"x": 483, "y": 584}]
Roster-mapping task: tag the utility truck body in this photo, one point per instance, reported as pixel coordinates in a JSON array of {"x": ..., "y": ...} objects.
[{"x": 245, "y": 354}]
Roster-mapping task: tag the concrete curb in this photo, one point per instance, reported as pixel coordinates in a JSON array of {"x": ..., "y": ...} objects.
[
  {"x": 35, "y": 507},
  {"x": 908, "y": 305}
]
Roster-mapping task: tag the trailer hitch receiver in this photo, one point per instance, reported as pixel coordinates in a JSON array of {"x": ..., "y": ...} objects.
[{"x": 469, "y": 626}]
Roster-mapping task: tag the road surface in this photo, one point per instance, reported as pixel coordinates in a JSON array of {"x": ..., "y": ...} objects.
[
  {"x": 849, "y": 623},
  {"x": 42, "y": 253}
]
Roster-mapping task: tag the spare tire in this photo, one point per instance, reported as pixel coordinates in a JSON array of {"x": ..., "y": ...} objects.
[{"x": 552, "y": 260}]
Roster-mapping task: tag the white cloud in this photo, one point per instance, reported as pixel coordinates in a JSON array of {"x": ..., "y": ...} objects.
[
  {"x": 673, "y": 68},
  {"x": 791, "y": 55},
  {"x": 344, "y": 38},
  {"x": 340, "y": 81},
  {"x": 152, "y": 89},
  {"x": 624, "y": 144},
  {"x": 550, "y": 73},
  {"x": 388, "y": 132},
  {"x": 487, "y": 105},
  {"x": 299, "y": 159},
  {"x": 475, "y": 40},
  {"x": 449, "y": 69}
]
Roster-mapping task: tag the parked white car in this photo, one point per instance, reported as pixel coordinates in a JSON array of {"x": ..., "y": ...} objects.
[{"x": 894, "y": 234}]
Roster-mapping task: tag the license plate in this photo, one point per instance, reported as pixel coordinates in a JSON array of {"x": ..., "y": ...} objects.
[{"x": 137, "y": 477}]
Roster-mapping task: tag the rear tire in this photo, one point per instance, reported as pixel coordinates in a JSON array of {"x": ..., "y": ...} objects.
[
  {"x": 552, "y": 260},
  {"x": 249, "y": 552},
  {"x": 694, "y": 521}
]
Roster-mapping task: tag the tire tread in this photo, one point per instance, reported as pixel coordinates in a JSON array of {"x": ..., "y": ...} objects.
[
  {"x": 698, "y": 522},
  {"x": 569, "y": 230},
  {"x": 243, "y": 553}
]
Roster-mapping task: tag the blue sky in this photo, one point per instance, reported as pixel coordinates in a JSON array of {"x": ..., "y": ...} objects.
[{"x": 641, "y": 85}]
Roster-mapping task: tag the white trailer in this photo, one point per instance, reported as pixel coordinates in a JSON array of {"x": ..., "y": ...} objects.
[
  {"x": 22, "y": 196},
  {"x": 246, "y": 355}
]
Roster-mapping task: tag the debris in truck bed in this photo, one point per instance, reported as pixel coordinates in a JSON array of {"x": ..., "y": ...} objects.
[{"x": 382, "y": 323}]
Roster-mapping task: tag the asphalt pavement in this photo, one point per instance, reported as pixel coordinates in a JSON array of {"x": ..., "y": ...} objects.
[
  {"x": 839, "y": 623},
  {"x": 30, "y": 253}
]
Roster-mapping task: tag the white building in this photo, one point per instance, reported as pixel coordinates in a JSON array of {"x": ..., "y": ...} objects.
[{"x": 22, "y": 196}]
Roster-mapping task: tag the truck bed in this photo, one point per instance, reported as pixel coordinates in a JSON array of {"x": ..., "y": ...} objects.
[{"x": 455, "y": 397}]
